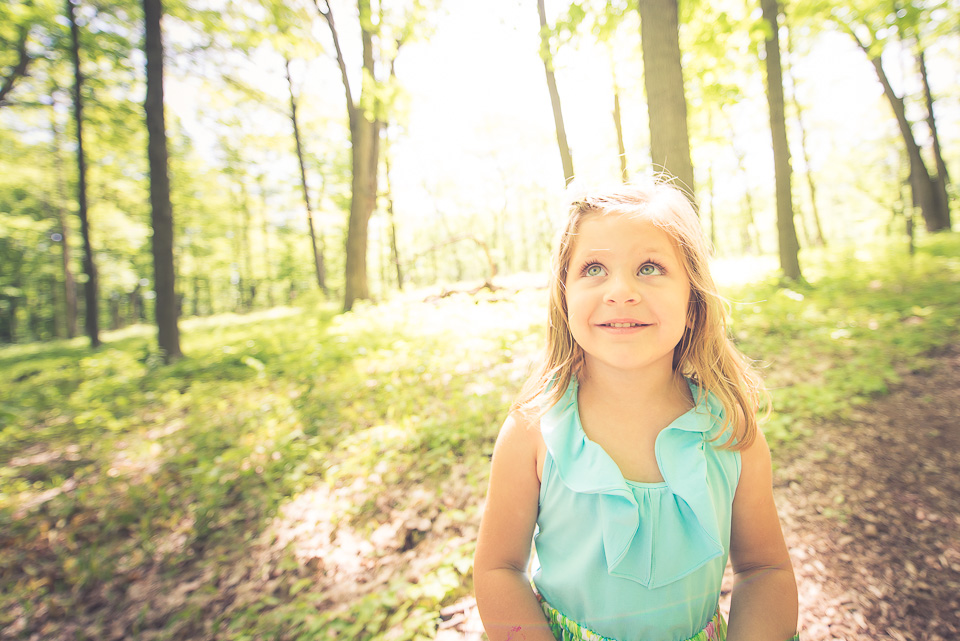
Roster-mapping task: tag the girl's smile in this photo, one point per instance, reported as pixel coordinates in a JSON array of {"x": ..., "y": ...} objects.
[
  {"x": 623, "y": 325},
  {"x": 627, "y": 293}
]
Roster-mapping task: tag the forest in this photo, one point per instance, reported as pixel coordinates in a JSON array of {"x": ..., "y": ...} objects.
[{"x": 272, "y": 272}]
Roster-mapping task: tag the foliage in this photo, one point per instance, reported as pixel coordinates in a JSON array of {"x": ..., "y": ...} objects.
[
  {"x": 869, "y": 315},
  {"x": 222, "y": 495},
  {"x": 123, "y": 466}
]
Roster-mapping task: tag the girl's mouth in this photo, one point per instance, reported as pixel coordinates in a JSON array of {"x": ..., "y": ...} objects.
[{"x": 622, "y": 325}]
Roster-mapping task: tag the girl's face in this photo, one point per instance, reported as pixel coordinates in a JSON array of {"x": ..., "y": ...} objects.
[{"x": 627, "y": 294}]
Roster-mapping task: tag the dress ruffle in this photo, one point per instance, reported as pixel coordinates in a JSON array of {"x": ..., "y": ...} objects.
[{"x": 679, "y": 519}]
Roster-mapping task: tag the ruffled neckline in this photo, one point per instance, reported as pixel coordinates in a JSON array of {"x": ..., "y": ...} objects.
[{"x": 679, "y": 531}]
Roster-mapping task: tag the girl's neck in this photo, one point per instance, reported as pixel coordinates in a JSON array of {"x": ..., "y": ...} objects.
[{"x": 636, "y": 390}]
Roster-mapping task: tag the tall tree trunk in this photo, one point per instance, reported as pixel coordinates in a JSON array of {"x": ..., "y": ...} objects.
[
  {"x": 935, "y": 214},
  {"x": 749, "y": 234},
  {"x": 69, "y": 282},
  {"x": 265, "y": 237},
  {"x": 391, "y": 218},
  {"x": 365, "y": 136},
  {"x": 365, "y": 150},
  {"x": 167, "y": 306},
  {"x": 819, "y": 239},
  {"x": 547, "y": 56},
  {"x": 91, "y": 286},
  {"x": 317, "y": 256},
  {"x": 713, "y": 210},
  {"x": 621, "y": 149},
  {"x": 617, "y": 121},
  {"x": 663, "y": 81},
  {"x": 942, "y": 179},
  {"x": 249, "y": 287},
  {"x": 786, "y": 231},
  {"x": 709, "y": 199}
]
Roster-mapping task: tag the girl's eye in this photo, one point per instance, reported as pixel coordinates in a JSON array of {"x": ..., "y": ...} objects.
[
  {"x": 593, "y": 270},
  {"x": 650, "y": 269}
]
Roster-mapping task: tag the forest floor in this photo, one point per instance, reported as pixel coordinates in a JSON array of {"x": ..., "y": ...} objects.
[
  {"x": 304, "y": 474},
  {"x": 870, "y": 507},
  {"x": 871, "y": 513}
]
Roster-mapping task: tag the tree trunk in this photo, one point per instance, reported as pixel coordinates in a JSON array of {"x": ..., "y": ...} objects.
[
  {"x": 709, "y": 199},
  {"x": 265, "y": 238},
  {"x": 621, "y": 150},
  {"x": 365, "y": 139},
  {"x": 365, "y": 151},
  {"x": 786, "y": 231},
  {"x": 249, "y": 287},
  {"x": 713, "y": 212},
  {"x": 749, "y": 235},
  {"x": 935, "y": 215},
  {"x": 69, "y": 282},
  {"x": 394, "y": 252},
  {"x": 90, "y": 288},
  {"x": 365, "y": 136},
  {"x": 818, "y": 239},
  {"x": 942, "y": 179},
  {"x": 317, "y": 256},
  {"x": 663, "y": 81},
  {"x": 547, "y": 56},
  {"x": 166, "y": 305}
]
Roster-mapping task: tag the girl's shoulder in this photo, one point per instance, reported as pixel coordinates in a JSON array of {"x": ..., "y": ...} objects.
[{"x": 521, "y": 431}]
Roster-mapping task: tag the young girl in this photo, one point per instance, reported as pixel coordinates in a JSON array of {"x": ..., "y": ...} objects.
[{"x": 632, "y": 458}]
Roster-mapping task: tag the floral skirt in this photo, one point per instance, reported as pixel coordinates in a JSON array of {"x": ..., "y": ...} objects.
[{"x": 565, "y": 629}]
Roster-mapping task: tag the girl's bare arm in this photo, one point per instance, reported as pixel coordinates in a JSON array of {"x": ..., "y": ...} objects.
[
  {"x": 507, "y": 604},
  {"x": 764, "y": 605}
]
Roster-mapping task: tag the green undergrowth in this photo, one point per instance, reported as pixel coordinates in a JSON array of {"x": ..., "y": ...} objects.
[
  {"x": 114, "y": 465},
  {"x": 118, "y": 471},
  {"x": 863, "y": 319}
]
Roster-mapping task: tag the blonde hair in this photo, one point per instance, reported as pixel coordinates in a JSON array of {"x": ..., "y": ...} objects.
[{"x": 705, "y": 354}]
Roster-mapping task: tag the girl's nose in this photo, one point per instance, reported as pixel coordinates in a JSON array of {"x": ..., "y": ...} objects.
[{"x": 622, "y": 289}]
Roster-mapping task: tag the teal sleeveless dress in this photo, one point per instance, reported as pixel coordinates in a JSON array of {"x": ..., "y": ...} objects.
[{"x": 635, "y": 561}]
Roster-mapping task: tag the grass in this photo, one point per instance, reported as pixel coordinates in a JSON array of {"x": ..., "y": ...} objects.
[{"x": 304, "y": 474}]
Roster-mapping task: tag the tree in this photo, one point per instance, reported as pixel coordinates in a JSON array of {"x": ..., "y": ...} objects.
[
  {"x": 167, "y": 306},
  {"x": 69, "y": 282},
  {"x": 365, "y": 126},
  {"x": 663, "y": 81},
  {"x": 317, "y": 254},
  {"x": 90, "y": 287},
  {"x": 942, "y": 179},
  {"x": 818, "y": 239},
  {"x": 786, "y": 231},
  {"x": 546, "y": 55},
  {"x": 382, "y": 35},
  {"x": 871, "y": 26},
  {"x": 618, "y": 125},
  {"x": 19, "y": 68}
]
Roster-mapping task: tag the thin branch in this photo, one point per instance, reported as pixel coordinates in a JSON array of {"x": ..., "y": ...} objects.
[
  {"x": 328, "y": 16},
  {"x": 19, "y": 70}
]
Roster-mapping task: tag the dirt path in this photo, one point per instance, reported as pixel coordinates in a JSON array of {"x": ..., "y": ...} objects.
[
  {"x": 871, "y": 513},
  {"x": 873, "y": 516}
]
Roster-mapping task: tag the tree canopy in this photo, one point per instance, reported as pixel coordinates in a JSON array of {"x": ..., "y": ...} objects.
[{"x": 472, "y": 144}]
